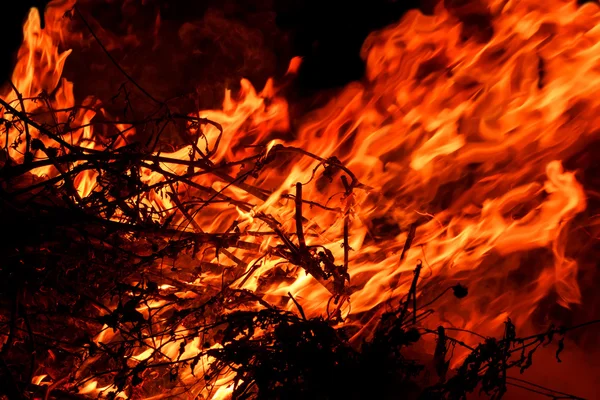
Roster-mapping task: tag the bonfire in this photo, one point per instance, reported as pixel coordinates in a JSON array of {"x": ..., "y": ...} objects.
[{"x": 428, "y": 233}]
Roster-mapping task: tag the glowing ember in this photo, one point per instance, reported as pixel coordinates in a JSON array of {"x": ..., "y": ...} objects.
[{"x": 464, "y": 140}]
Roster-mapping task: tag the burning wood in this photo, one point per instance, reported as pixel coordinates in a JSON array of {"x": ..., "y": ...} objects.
[{"x": 200, "y": 255}]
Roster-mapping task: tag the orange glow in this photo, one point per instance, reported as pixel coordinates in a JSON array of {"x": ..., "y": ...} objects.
[{"x": 433, "y": 110}]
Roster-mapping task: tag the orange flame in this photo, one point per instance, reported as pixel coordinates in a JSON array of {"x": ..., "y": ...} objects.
[{"x": 493, "y": 121}]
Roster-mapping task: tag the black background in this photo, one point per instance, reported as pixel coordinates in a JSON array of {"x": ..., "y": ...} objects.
[{"x": 328, "y": 34}]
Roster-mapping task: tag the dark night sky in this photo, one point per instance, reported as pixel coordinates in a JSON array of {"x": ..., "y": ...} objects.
[{"x": 328, "y": 34}]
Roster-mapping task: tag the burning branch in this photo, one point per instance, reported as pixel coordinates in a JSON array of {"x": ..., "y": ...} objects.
[{"x": 112, "y": 223}]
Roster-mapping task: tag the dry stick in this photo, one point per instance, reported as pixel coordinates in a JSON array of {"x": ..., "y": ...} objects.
[
  {"x": 300, "y": 309},
  {"x": 348, "y": 188},
  {"x": 28, "y": 155},
  {"x": 414, "y": 290},
  {"x": 346, "y": 239},
  {"x": 233, "y": 258},
  {"x": 412, "y": 295},
  {"x": 346, "y": 256},
  {"x": 409, "y": 239},
  {"x": 299, "y": 229}
]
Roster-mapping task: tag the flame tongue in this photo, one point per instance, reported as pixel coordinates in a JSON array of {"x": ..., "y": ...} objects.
[
  {"x": 463, "y": 137},
  {"x": 469, "y": 134}
]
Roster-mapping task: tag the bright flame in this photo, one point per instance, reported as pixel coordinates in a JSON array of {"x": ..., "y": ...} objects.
[{"x": 493, "y": 120}]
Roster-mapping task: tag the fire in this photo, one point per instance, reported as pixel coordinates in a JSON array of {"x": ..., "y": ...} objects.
[{"x": 494, "y": 120}]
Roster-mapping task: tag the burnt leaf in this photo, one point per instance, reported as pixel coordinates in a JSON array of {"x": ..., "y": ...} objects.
[
  {"x": 510, "y": 332},
  {"x": 528, "y": 361},
  {"x": 136, "y": 379},
  {"x": 412, "y": 335},
  {"x": 439, "y": 356},
  {"x": 129, "y": 315},
  {"x": 460, "y": 291},
  {"x": 110, "y": 320},
  {"x": 195, "y": 362},
  {"x": 181, "y": 349},
  {"x": 332, "y": 168},
  {"x": 561, "y": 347},
  {"x": 37, "y": 144},
  {"x": 152, "y": 286},
  {"x": 173, "y": 374}
]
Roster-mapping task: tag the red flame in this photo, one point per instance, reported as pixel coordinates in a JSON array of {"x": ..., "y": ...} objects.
[{"x": 464, "y": 138}]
